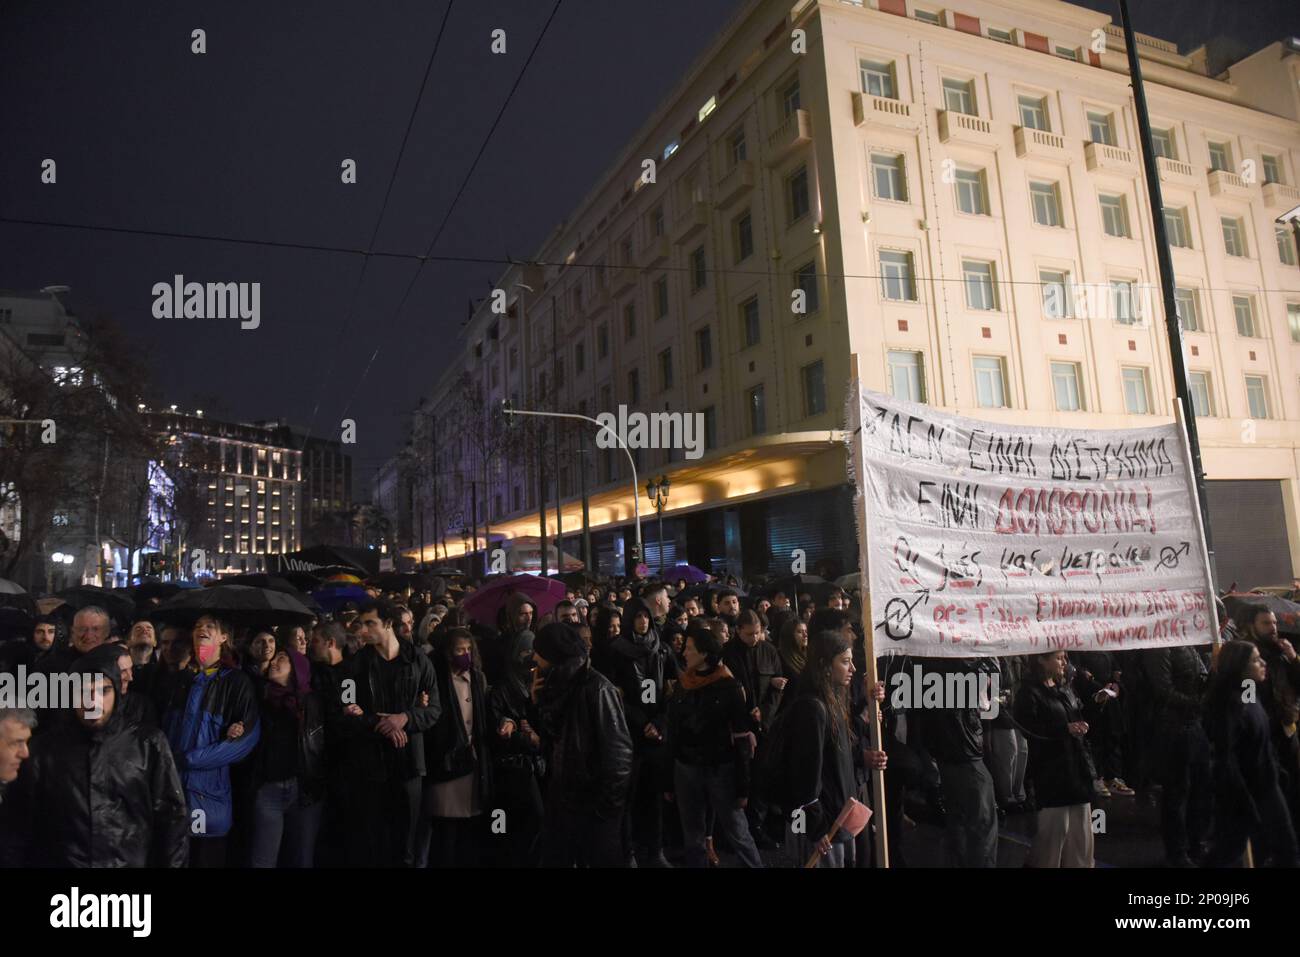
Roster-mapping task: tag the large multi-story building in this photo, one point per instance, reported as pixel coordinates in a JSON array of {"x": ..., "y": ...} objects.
[{"x": 946, "y": 201}]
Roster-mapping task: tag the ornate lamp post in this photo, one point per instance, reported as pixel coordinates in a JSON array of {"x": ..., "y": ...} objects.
[{"x": 657, "y": 490}]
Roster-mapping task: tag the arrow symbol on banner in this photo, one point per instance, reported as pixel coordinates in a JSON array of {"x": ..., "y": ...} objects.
[{"x": 1169, "y": 556}]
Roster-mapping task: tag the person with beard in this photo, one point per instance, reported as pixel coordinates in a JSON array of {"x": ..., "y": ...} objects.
[
  {"x": 99, "y": 790},
  {"x": 30, "y": 652},
  {"x": 1280, "y": 695},
  {"x": 289, "y": 766},
  {"x": 588, "y": 750},
  {"x": 609, "y": 624},
  {"x": 91, "y": 627},
  {"x": 710, "y": 770},
  {"x": 458, "y": 787},
  {"x": 518, "y": 614},
  {"x": 517, "y": 765},
  {"x": 643, "y": 667},
  {"x": 726, "y": 605}
]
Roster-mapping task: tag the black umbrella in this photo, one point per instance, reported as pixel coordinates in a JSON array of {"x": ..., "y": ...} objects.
[
  {"x": 120, "y": 608},
  {"x": 15, "y": 623},
  {"x": 399, "y": 581},
  {"x": 241, "y": 604},
  {"x": 13, "y": 595},
  {"x": 446, "y": 571},
  {"x": 160, "y": 590},
  {"x": 262, "y": 580},
  {"x": 1288, "y": 612}
]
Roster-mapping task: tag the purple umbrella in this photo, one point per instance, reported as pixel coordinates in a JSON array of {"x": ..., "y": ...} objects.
[
  {"x": 692, "y": 574},
  {"x": 484, "y": 605}
]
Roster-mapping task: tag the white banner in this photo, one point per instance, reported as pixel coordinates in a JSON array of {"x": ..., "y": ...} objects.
[{"x": 984, "y": 538}]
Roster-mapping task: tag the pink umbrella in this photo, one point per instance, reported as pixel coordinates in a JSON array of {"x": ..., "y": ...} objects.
[{"x": 484, "y": 605}]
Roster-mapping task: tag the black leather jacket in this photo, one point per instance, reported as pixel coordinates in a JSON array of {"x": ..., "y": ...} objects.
[
  {"x": 106, "y": 798},
  {"x": 590, "y": 750}
]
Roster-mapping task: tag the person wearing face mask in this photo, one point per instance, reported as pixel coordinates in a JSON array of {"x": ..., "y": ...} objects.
[
  {"x": 588, "y": 749},
  {"x": 643, "y": 668},
  {"x": 100, "y": 790},
  {"x": 517, "y": 764},
  {"x": 289, "y": 766},
  {"x": 458, "y": 788},
  {"x": 205, "y": 703}
]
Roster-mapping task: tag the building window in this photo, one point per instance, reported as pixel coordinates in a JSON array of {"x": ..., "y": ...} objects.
[
  {"x": 1272, "y": 169},
  {"x": 959, "y": 96},
  {"x": 657, "y": 221},
  {"x": 661, "y": 297},
  {"x": 888, "y": 177},
  {"x": 1002, "y": 36},
  {"x": 1202, "y": 399},
  {"x": 978, "y": 279},
  {"x": 1233, "y": 236},
  {"x": 744, "y": 237},
  {"x": 1101, "y": 128},
  {"x": 1046, "y": 198},
  {"x": 1286, "y": 252},
  {"x": 1243, "y": 308},
  {"x": 878, "y": 78},
  {"x": 896, "y": 275},
  {"x": 906, "y": 375},
  {"x": 736, "y": 149},
  {"x": 805, "y": 278},
  {"x": 1065, "y": 383},
  {"x": 1137, "y": 394},
  {"x": 1176, "y": 227},
  {"x": 699, "y": 270},
  {"x": 1058, "y": 295},
  {"x": 579, "y": 358},
  {"x": 790, "y": 98},
  {"x": 757, "y": 410},
  {"x": 704, "y": 348},
  {"x": 1257, "y": 396},
  {"x": 927, "y": 16},
  {"x": 1163, "y": 141},
  {"x": 1220, "y": 157},
  {"x": 602, "y": 341},
  {"x": 1114, "y": 216},
  {"x": 666, "y": 369},
  {"x": 629, "y": 320},
  {"x": 972, "y": 196},
  {"x": 710, "y": 428},
  {"x": 634, "y": 387},
  {"x": 990, "y": 382},
  {"x": 750, "y": 331},
  {"x": 796, "y": 191},
  {"x": 1293, "y": 320},
  {"x": 1033, "y": 113},
  {"x": 1122, "y": 306},
  {"x": 1189, "y": 308},
  {"x": 814, "y": 389},
  {"x": 1067, "y": 53}
]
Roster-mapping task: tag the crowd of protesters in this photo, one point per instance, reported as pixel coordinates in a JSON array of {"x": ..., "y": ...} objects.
[{"x": 637, "y": 722}]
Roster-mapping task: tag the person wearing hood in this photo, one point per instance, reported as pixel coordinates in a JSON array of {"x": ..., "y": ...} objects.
[
  {"x": 710, "y": 768},
  {"x": 289, "y": 767},
  {"x": 643, "y": 667},
  {"x": 517, "y": 764},
  {"x": 99, "y": 790},
  {"x": 588, "y": 749},
  {"x": 458, "y": 788},
  {"x": 519, "y": 613}
]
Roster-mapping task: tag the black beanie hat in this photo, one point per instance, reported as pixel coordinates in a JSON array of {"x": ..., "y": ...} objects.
[
  {"x": 558, "y": 642},
  {"x": 103, "y": 661}
]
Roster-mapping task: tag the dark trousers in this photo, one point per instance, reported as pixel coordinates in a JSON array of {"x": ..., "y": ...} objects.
[
  {"x": 1186, "y": 801},
  {"x": 645, "y": 803},
  {"x": 574, "y": 839},
  {"x": 279, "y": 818},
  {"x": 452, "y": 842},
  {"x": 208, "y": 851},
  {"x": 700, "y": 788},
  {"x": 520, "y": 796},
  {"x": 384, "y": 816},
  {"x": 972, "y": 822},
  {"x": 1272, "y": 838}
]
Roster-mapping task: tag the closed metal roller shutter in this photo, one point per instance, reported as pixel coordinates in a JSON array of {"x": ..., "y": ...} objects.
[
  {"x": 821, "y": 523},
  {"x": 1248, "y": 524}
]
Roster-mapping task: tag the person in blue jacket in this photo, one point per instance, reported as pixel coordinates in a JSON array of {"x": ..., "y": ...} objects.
[{"x": 211, "y": 722}]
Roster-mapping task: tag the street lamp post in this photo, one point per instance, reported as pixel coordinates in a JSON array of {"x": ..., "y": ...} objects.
[
  {"x": 636, "y": 494},
  {"x": 657, "y": 490}
]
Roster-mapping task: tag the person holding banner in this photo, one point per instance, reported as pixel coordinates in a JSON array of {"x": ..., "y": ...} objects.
[{"x": 1059, "y": 766}]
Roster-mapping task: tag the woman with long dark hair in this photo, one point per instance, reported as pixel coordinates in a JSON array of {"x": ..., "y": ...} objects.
[
  {"x": 608, "y": 626},
  {"x": 1248, "y": 801},
  {"x": 1059, "y": 766}
]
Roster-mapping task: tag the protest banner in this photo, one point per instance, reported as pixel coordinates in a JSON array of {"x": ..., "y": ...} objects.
[{"x": 991, "y": 539}]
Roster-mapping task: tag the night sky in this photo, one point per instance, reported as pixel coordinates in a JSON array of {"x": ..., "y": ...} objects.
[{"x": 247, "y": 141}]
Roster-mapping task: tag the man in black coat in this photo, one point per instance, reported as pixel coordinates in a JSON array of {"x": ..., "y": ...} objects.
[
  {"x": 100, "y": 790},
  {"x": 389, "y": 699},
  {"x": 1178, "y": 676},
  {"x": 588, "y": 749}
]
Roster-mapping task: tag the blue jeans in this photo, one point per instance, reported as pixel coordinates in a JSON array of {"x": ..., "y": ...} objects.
[
  {"x": 278, "y": 816},
  {"x": 700, "y": 787}
]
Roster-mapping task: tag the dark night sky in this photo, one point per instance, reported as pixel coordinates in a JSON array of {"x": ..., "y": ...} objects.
[{"x": 247, "y": 140}]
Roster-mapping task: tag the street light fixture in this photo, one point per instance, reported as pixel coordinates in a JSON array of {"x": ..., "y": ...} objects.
[{"x": 657, "y": 490}]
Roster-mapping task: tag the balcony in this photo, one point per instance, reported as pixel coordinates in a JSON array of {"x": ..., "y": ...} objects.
[
  {"x": 621, "y": 278},
  {"x": 970, "y": 130},
  {"x": 1230, "y": 185},
  {"x": 1040, "y": 144},
  {"x": 693, "y": 219},
  {"x": 795, "y": 132},
  {"x": 736, "y": 182},
  {"x": 1109, "y": 159},
  {"x": 1281, "y": 196},
  {"x": 1176, "y": 171},
  {"x": 655, "y": 250},
  {"x": 882, "y": 111}
]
